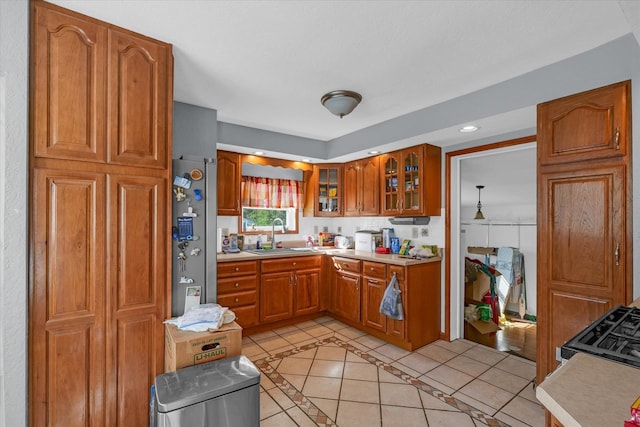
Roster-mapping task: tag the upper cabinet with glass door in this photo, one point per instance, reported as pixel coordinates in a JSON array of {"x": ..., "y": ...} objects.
[
  {"x": 410, "y": 183},
  {"x": 328, "y": 190}
]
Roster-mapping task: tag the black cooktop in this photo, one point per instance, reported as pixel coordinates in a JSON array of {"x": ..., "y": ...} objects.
[{"x": 614, "y": 336}]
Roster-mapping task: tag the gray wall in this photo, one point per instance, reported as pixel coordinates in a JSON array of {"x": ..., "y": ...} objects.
[
  {"x": 14, "y": 72},
  {"x": 195, "y": 131}
]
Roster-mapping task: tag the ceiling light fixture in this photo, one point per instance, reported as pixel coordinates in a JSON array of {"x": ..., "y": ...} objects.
[
  {"x": 258, "y": 153},
  {"x": 468, "y": 128},
  {"x": 341, "y": 102},
  {"x": 374, "y": 152},
  {"x": 479, "y": 213}
]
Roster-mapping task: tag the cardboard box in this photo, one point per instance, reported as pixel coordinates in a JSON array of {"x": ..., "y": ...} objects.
[
  {"x": 186, "y": 348},
  {"x": 478, "y": 289}
]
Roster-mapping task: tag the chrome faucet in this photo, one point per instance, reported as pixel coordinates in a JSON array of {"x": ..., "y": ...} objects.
[{"x": 273, "y": 231}]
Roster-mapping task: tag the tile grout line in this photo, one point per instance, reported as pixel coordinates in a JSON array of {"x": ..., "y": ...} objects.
[{"x": 323, "y": 420}]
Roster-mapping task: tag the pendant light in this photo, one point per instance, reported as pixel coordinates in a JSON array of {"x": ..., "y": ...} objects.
[{"x": 479, "y": 213}]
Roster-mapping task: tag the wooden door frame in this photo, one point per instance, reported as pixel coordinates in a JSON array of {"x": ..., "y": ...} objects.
[{"x": 447, "y": 233}]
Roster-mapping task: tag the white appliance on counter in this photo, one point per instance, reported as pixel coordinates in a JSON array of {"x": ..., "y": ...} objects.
[
  {"x": 343, "y": 242},
  {"x": 367, "y": 240}
]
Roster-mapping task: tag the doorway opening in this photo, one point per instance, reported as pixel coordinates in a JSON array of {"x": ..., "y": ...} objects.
[{"x": 506, "y": 170}]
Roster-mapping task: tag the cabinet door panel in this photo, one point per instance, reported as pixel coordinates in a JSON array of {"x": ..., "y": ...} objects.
[
  {"x": 583, "y": 229},
  {"x": 137, "y": 241},
  {"x": 373, "y": 291},
  {"x": 66, "y": 309},
  {"x": 138, "y": 346},
  {"x": 69, "y": 59},
  {"x": 329, "y": 189},
  {"x": 370, "y": 186},
  {"x": 138, "y": 117},
  {"x": 307, "y": 291},
  {"x": 569, "y": 314},
  {"x": 137, "y": 275},
  {"x": 346, "y": 296},
  {"x": 602, "y": 115},
  {"x": 276, "y": 296},
  {"x": 229, "y": 175},
  {"x": 352, "y": 188}
]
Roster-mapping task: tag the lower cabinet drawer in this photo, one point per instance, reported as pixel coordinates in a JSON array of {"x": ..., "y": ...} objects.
[
  {"x": 237, "y": 284},
  {"x": 238, "y": 299},
  {"x": 246, "y": 315},
  {"x": 374, "y": 269}
]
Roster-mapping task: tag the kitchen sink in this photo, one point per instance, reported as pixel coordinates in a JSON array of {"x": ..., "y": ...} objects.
[{"x": 279, "y": 251}]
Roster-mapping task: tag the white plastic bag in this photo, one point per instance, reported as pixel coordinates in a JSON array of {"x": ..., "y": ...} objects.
[{"x": 391, "y": 304}]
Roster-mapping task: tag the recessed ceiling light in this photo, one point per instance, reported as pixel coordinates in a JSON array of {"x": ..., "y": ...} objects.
[
  {"x": 374, "y": 152},
  {"x": 468, "y": 128},
  {"x": 258, "y": 153},
  {"x": 306, "y": 160}
]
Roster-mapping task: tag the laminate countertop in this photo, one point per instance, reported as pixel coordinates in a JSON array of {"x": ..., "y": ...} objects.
[
  {"x": 589, "y": 391},
  {"x": 347, "y": 253}
]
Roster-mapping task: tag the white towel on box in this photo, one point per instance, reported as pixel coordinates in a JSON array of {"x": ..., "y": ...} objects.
[{"x": 203, "y": 317}]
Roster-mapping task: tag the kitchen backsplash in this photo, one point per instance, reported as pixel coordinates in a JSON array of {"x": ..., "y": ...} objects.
[{"x": 349, "y": 225}]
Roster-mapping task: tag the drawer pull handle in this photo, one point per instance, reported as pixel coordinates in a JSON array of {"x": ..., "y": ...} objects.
[
  {"x": 236, "y": 284},
  {"x": 617, "y": 138},
  {"x": 294, "y": 263},
  {"x": 237, "y": 268},
  {"x": 237, "y": 300}
]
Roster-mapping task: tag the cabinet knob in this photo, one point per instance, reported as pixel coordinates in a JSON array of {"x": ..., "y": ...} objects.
[
  {"x": 237, "y": 300},
  {"x": 294, "y": 263},
  {"x": 237, "y": 268},
  {"x": 236, "y": 284}
]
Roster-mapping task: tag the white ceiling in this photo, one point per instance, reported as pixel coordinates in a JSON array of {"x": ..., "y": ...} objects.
[{"x": 266, "y": 64}]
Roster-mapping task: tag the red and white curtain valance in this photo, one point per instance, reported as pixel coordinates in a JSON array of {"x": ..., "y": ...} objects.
[{"x": 260, "y": 192}]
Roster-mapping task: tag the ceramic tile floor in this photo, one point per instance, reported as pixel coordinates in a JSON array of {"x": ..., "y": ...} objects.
[{"x": 325, "y": 373}]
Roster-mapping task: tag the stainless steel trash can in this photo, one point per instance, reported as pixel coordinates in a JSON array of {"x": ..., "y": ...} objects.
[{"x": 221, "y": 393}]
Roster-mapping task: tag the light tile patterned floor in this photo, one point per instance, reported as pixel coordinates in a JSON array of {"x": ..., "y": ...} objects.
[{"x": 325, "y": 373}]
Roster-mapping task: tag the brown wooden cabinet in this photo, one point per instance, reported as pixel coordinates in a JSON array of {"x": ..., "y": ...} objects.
[
  {"x": 238, "y": 290},
  {"x": 229, "y": 176},
  {"x": 328, "y": 189},
  {"x": 584, "y": 214},
  {"x": 358, "y": 288},
  {"x": 76, "y": 60},
  {"x": 601, "y": 114},
  {"x": 361, "y": 189},
  {"x": 101, "y": 103},
  {"x": 289, "y": 287},
  {"x": 410, "y": 181}
]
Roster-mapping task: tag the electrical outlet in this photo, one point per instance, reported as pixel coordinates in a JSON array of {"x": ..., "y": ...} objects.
[
  {"x": 325, "y": 229},
  {"x": 315, "y": 229},
  {"x": 424, "y": 232},
  {"x": 339, "y": 229},
  {"x": 414, "y": 232}
]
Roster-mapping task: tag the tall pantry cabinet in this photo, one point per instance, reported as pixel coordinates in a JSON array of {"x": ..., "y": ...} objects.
[
  {"x": 100, "y": 146},
  {"x": 584, "y": 214}
]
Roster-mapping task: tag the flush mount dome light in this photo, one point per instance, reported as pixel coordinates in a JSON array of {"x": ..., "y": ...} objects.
[
  {"x": 341, "y": 102},
  {"x": 469, "y": 128}
]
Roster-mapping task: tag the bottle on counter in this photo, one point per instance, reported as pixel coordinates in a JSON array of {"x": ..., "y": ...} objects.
[{"x": 320, "y": 239}]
